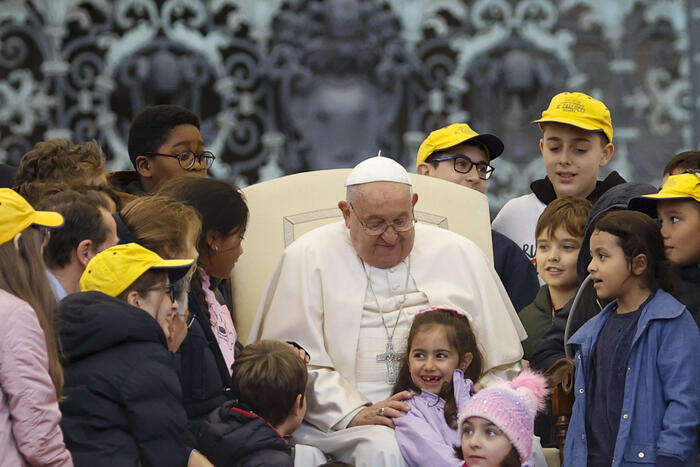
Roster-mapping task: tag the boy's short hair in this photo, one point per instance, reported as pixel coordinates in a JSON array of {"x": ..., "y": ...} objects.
[
  {"x": 152, "y": 126},
  {"x": 688, "y": 160},
  {"x": 269, "y": 375},
  {"x": 82, "y": 221},
  {"x": 569, "y": 212},
  {"x": 60, "y": 161}
]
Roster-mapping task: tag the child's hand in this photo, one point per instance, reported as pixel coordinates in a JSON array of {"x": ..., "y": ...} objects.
[
  {"x": 178, "y": 332},
  {"x": 478, "y": 387},
  {"x": 198, "y": 460},
  {"x": 383, "y": 413}
]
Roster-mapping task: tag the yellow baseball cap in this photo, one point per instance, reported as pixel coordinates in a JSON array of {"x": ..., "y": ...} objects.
[
  {"x": 114, "y": 269},
  {"x": 682, "y": 186},
  {"x": 579, "y": 110},
  {"x": 457, "y": 133},
  {"x": 16, "y": 214}
]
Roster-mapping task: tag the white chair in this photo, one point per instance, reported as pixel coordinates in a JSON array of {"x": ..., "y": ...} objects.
[{"x": 284, "y": 208}]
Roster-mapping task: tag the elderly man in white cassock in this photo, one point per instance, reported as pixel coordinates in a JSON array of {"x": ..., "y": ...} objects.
[{"x": 348, "y": 292}]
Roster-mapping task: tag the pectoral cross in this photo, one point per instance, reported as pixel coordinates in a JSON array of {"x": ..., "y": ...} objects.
[{"x": 393, "y": 360}]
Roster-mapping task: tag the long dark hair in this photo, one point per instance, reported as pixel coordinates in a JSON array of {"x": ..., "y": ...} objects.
[
  {"x": 639, "y": 234},
  {"x": 23, "y": 274},
  {"x": 460, "y": 336}
]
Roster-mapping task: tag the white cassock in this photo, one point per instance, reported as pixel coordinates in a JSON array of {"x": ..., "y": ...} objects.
[{"x": 319, "y": 296}]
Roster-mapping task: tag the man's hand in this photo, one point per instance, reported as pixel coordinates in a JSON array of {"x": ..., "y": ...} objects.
[{"x": 383, "y": 412}]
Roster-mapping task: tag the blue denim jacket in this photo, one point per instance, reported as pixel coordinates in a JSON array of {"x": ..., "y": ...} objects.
[{"x": 661, "y": 403}]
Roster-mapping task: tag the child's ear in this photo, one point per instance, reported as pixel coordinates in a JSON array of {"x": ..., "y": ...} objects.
[
  {"x": 423, "y": 169},
  {"x": 298, "y": 405},
  {"x": 639, "y": 264},
  {"x": 466, "y": 361},
  {"x": 608, "y": 151}
]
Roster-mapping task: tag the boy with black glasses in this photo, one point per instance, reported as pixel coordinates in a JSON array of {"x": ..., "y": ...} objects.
[
  {"x": 164, "y": 143},
  {"x": 458, "y": 154}
]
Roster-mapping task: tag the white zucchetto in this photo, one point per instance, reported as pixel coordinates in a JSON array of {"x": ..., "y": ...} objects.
[{"x": 378, "y": 169}]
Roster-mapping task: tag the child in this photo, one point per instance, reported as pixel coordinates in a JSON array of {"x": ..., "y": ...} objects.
[
  {"x": 123, "y": 403},
  {"x": 559, "y": 235},
  {"x": 636, "y": 384},
  {"x": 458, "y": 154},
  {"x": 496, "y": 425},
  {"x": 576, "y": 141},
  {"x": 254, "y": 430},
  {"x": 678, "y": 208},
  {"x": 442, "y": 362},
  {"x": 31, "y": 377}
]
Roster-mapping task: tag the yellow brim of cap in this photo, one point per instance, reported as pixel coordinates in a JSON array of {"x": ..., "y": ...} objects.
[
  {"x": 572, "y": 122},
  {"x": 172, "y": 264},
  {"x": 47, "y": 219},
  {"x": 662, "y": 195}
]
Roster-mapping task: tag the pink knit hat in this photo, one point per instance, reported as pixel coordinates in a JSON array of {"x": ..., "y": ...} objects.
[{"x": 511, "y": 406}]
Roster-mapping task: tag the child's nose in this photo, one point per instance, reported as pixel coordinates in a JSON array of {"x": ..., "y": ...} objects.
[{"x": 591, "y": 267}]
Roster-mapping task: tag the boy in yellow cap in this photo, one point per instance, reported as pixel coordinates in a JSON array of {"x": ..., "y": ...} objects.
[
  {"x": 123, "y": 403},
  {"x": 458, "y": 154},
  {"x": 677, "y": 206},
  {"x": 576, "y": 142}
]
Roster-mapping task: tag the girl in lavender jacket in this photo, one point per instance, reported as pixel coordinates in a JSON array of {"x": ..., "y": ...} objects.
[
  {"x": 442, "y": 361},
  {"x": 30, "y": 372}
]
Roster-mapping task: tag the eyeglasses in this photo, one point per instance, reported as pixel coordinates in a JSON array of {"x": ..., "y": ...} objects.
[
  {"x": 170, "y": 289},
  {"x": 378, "y": 226},
  {"x": 464, "y": 165},
  {"x": 187, "y": 159}
]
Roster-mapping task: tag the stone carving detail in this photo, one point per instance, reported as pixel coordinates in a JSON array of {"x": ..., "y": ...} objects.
[{"x": 284, "y": 86}]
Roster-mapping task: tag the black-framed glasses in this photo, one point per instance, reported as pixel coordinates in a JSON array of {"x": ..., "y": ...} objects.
[
  {"x": 171, "y": 290},
  {"x": 187, "y": 159},
  {"x": 463, "y": 164},
  {"x": 377, "y": 227}
]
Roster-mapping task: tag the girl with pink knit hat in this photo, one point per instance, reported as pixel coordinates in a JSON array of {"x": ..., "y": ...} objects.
[{"x": 497, "y": 423}]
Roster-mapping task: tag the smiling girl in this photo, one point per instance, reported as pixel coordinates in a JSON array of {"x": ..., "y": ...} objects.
[
  {"x": 443, "y": 361},
  {"x": 636, "y": 386}
]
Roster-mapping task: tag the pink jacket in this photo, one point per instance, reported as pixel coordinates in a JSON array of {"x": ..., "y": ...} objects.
[{"x": 29, "y": 415}]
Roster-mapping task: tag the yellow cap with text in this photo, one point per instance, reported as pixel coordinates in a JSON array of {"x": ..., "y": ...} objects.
[
  {"x": 455, "y": 134},
  {"x": 579, "y": 110}
]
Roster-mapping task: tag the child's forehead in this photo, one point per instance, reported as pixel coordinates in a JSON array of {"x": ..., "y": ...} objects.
[
  {"x": 564, "y": 130},
  {"x": 664, "y": 205},
  {"x": 557, "y": 232}
]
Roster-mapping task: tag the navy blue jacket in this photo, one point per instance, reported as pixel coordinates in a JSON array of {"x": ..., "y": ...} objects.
[
  {"x": 517, "y": 273},
  {"x": 123, "y": 404},
  {"x": 661, "y": 403},
  {"x": 235, "y": 436}
]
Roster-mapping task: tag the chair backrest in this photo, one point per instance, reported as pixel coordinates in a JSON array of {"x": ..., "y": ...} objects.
[{"x": 285, "y": 208}]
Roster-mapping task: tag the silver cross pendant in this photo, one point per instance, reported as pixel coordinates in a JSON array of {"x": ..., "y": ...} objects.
[{"x": 392, "y": 360}]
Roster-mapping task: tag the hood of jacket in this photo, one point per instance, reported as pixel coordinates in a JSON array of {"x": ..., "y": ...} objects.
[
  {"x": 616, "y": 197},
  {"x": 234, "y": 432},
  {"x": 544, "y": 190},
  {"x": 90, "y": 322}
]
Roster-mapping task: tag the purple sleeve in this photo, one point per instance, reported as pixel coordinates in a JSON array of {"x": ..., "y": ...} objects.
[{"x": 421, "y": 444}]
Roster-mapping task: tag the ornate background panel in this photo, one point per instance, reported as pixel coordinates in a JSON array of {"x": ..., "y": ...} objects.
[{"x": 284, "y": 86}]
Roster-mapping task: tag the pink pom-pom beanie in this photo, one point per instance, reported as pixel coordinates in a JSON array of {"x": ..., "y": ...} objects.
[{"x": 511, "y": 406}]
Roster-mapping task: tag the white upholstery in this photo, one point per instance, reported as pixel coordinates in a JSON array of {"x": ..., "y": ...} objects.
[{"x": 284, "y": 208}]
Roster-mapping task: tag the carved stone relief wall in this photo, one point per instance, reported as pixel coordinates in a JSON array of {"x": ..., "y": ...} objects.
[{"x": 284, "y": 86}]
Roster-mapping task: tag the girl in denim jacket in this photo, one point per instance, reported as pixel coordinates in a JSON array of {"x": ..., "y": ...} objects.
[{"x": 637, "y": 377}]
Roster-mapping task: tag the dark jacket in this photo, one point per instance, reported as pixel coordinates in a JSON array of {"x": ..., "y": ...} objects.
[
  {"x": 544, "y": 190},
  {"x": 686, "y": 289},
  {"x": 123, "y": 404},
  {"x": 232, "y": 436},
  {"x": 536, "y": 319},
  {"x": 551, "y": 347},
  {"x": 204, "y": 376},
  {"x": 517, "y": 273}
]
